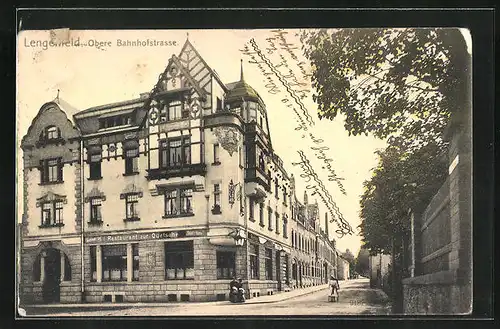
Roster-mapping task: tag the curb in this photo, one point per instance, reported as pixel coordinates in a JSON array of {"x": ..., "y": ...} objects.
[{"x": 127, "y": 305}]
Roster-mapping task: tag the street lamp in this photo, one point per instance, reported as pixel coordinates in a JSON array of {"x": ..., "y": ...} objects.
[{"x": 238, "y": 236}]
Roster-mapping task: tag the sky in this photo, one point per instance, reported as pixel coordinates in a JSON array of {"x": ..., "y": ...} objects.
[{"x": 88, "y": 76}]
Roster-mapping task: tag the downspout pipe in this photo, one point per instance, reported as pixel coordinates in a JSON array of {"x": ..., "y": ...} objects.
[{"x": 82, "y": 220}]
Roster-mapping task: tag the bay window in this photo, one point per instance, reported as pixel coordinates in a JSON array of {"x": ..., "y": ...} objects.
[{"x": 175, "y": 152}]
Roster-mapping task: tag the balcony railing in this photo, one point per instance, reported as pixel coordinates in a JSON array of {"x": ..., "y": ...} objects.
[{"x": 177, "y": 171}]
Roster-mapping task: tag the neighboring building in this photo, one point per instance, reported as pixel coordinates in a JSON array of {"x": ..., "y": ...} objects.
[
  {"x": 172, "y": 193},
  {"x": 379, "y": 266},
  {"x": 342, "y": 267}
]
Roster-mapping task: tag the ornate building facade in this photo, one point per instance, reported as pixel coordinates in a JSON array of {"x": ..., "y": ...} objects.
[{"x": 166, "y": 197}]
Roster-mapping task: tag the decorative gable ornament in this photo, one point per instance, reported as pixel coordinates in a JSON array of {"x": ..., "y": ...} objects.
[
  {"x": 131, "y": 189},
  {"x": 94, "y": 194},
  {"x": 154, "y": 113},
  {"x": 228, "y": 138},
  {"x": 51, "y": 197}
]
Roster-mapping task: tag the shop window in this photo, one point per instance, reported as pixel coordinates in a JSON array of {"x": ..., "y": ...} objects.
[
  {"x": 51, "y": 171},
  {"x": 131, "y": 205},
  {"x": 226, "y": 264},
  {"x": 178, "y": 202},
  {"x": 216, "y": 154},
  {"x": 268, "y": 260},
  {"x": 93, "y": 263},
  {"x": 131, "y": 161},
  {"x": 95, "y": 163},
  {"x": 114, "y": 262},
  {"x": 95, "y": 211},
  {"x": 52, "y": 213},
  {"x": 254, "y": 261},
  {"x": 179, "y": 260},
  {"x": 135, "y": 265}
]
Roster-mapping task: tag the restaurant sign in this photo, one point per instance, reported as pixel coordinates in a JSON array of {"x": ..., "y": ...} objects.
[{"x": 143, "y": 236}]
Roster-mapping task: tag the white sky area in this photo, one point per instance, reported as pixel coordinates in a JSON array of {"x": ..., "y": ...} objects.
[{"x": 88, "y": 76}]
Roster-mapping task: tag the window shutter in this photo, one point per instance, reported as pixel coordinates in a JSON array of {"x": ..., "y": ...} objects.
[{"x": 60, "y": 169}]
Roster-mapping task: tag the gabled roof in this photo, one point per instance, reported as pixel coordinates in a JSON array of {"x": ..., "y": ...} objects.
[{"x": 62, "y": 106}]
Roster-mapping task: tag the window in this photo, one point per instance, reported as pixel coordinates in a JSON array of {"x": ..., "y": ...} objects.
[
  {"x": 219, "y": 104},
  {"x": 135, "y": 264},
  {"x": 277, "y": 223},
  {"x": 276, "y": 188},
  {"x": 114, "y": 262},
  {"x": 115, "y": 121},
  {"x": 216, "y": 154},
  {"x": 261, "y": 214},
  {"x": 95, "y": 210},
  {"x": 175, "y": 152},
  {"x": 67, "y": 269},
  {"x": 268, "y": 259},
  {"x": 95, "y": 161},
  {"x": 179, "y": 260},
  {"x": 131, "y": 160},
  {"x": 217, "y": 195},
  {"x": 262, "y": 162},
  {"x": 93, "y": 263},
  {"x": 261, "y": 123},
  {"x": 269, "y": 218},
  {"x": 131, "y": 202},
  {"x": 174, "y": 110},
  {"x": 285, "y": 227},
  {"x": 251, "y": 210},
  {"x": 254, "y": 261},
  {"x": 51, "y": 171},
  {"x": 284, "y": 196},
  {"x": 178, "y": 202},
  {"x": 293, "y": 239},
  {"x": 52, "y": 213},
  {"x": 240, "y": 157},
  {"x": 52, "y": 132},
  {"x": 226, "y": 264}
]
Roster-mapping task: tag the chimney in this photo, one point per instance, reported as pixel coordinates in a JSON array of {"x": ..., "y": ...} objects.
[{"x": 326, "y": 226}]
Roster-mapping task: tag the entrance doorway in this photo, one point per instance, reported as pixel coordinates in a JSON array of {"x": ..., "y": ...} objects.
[
  {"x": 52, "y": 275},
  {"x": 278, "y": 269}
]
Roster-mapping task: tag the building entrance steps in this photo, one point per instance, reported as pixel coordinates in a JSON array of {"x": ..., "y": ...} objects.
[{"x": 278, "y": 297}]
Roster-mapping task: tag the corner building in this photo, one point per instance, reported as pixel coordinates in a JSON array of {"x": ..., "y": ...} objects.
[{"x": 163, "y": 198}]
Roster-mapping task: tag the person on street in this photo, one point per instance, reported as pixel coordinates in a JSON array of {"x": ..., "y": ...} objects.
[{"x": 334, "y": 285}]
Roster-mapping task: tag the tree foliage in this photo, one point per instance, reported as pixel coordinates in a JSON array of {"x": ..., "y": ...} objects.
[
  {"x": 400, "y": 84},
  {"x": 363, "y": 262},
  {"x": 401, "y": 181}
]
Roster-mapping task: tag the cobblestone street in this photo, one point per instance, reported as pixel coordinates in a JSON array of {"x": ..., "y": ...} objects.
[{"x": 356, "y": 298}]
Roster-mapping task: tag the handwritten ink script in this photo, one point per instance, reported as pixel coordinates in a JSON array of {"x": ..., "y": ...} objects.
[
  {"x": 285, "y": 73},
  {"x": 318, "y": 188}
]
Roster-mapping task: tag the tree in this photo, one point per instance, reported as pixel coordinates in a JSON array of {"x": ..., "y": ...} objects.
[
  {"x": 362, "y": 266},
  {"x": 351, "y": 260},
  {"x": 399, "y": 84}
]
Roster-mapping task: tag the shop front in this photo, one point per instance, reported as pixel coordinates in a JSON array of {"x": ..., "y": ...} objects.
[{"x": 161, "y": 266}]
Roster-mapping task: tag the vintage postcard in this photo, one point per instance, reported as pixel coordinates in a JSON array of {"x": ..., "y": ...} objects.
[{"x": 271, "y": 172}]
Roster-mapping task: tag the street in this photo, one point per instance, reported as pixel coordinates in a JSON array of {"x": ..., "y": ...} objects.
[{"x": 356, "y": 298}]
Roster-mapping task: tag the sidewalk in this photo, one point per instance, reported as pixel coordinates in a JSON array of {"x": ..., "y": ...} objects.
[{"x": 257, "y": 300}]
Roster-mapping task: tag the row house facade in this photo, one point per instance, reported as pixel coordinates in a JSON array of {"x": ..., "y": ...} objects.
[{"x": 165, "y": 197}]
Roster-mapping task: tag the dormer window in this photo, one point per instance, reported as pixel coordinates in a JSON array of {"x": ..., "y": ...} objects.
[
  {"x": 115, "y": 121},
  {"x": 50, "y": 135}
]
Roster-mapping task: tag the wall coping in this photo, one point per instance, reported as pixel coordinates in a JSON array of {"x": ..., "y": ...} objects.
[{"x": 442, "y": 277}]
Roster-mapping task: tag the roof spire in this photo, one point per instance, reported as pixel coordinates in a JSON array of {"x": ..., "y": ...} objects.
[
  {"x": 57, "y": 97},
  {"x": 241, "y": 74},
  {"x": 187, "y": 36}
]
